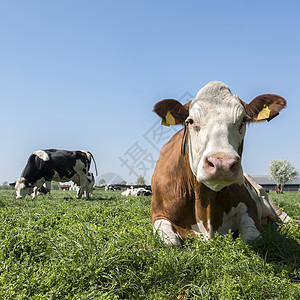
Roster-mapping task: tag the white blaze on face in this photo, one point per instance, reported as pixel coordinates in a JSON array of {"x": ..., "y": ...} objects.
[{"x": 217, "y": 131}]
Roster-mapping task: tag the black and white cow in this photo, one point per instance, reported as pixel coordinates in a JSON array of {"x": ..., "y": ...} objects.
[
  {"x": 44, "y": 166},
  {"x": 136, "y": 192}
]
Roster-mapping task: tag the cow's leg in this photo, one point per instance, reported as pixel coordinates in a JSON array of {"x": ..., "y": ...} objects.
[
  {"x": 247, "y": 228},
  {"x": 84, "y": 185},
  {"x": 79, "y": 192},
  {"x": 166, "y": 233},
  {"x": 88, "y": 190},
  {"x": 87, "y": 193},
  {"x": 35, "y": 192},
  {"x": 48, "y": 187}
]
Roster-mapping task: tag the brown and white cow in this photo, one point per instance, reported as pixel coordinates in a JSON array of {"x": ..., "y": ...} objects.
[{"x": 198, "y": 185}]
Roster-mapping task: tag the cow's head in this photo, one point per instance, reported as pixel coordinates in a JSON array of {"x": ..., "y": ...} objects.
[
  {"x": 216, "y": 124},
  {"x": 22, "y": 187}
]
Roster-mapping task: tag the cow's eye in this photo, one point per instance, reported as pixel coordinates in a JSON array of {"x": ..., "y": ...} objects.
[
  {"x": 243, "y": 123},
  {"x": 190, "y": 121}
]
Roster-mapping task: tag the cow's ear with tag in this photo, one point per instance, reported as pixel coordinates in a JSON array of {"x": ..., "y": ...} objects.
[
  {"x": 12, "y": 184},
  {"x": 265, "y": 107},
  {"x": 171, "y": 111}
]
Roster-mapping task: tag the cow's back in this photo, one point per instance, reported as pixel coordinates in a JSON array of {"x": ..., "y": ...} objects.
[
  {"x": 53, "y": 164},
  {"x": 67, "y": 164}
]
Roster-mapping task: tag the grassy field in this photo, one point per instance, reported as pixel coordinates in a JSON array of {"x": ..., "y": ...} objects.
[
  {"x": 290, "y": 202},
  {"x": 64, "y": 248}
]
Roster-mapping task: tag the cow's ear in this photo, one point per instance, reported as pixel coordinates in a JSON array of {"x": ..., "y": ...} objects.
[
  {"x": 265, "y": 107},
  {"x": 12, "y": 184},
  {"x": 171, "y": 111}
]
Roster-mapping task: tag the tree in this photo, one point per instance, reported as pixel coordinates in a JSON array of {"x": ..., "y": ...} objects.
[
  {"x": 123, "y": 182},
  {"x": 282, "y": 171},
  {"x": 5, "y": 186},
  {"x": 141, "y": 180},
  {"x": 54, "y": 185}
]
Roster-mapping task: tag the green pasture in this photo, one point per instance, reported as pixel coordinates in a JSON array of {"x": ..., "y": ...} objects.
[{"x": 64, "y": 248}]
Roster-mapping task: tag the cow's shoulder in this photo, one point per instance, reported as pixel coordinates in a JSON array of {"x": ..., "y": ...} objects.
[
  {"x": 240, "y": 201},
  {"x": 170, "y": 159},
  {"x": 172, "y": 172},
  {"x": 42, "y": 154}
]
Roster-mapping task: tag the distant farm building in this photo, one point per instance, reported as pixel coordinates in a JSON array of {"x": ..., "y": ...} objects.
[
  {"x": 269, "y": 184},
  {"x": 67, "y": 187}
]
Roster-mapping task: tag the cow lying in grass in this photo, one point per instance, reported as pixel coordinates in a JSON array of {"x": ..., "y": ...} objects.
[
  {"x": 136, "y": 192},
  {"x": 198, "y": 185}
]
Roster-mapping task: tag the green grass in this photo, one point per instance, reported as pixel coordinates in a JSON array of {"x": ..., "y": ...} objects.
[
  {"x": 64, "y": 248},
  {"x": 290, "y": 201}
]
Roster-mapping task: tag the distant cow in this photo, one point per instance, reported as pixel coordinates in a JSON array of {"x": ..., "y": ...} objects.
[
  {"x": 143, "y": 192},
  {"x": 136, "y": 192},
  {"x": 44, "y": 166},
  {"x": 198, "y": 184},
  {"x": 109, "y": 188},
  {"x": 128, "y": 191}
]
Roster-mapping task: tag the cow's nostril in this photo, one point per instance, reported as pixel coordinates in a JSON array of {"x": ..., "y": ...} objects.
[
  {"x": 211, "y": 164},
  {"x": 234, "y": 168},
  {"x": 222, "y": 166}
]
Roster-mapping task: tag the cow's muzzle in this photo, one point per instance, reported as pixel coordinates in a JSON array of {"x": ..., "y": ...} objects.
[{"x": 222, "y": 167}]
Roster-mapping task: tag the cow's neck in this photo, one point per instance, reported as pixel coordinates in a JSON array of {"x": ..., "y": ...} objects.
[{"x": 209, "y": 205}]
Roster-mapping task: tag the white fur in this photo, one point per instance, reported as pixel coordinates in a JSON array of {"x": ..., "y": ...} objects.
[
  {"x": 127, "y": 192},
  {"x": 87, "y": 153},
  {"x": 247, "y": 228},
  {"x": 21, "y": 189},
  {"x": 260, "y": 196},
  {"x": 200, "y": 230},
  {"x": 217, "y": 115},
  {"x": 237, "y": 219},
  {"x": 42, "y": 155},
  {"x": 166, "y": 233}
]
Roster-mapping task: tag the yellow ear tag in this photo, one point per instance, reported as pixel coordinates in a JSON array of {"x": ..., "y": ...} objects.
[
  {"x": 264, "y": 113},
  {"x": 164, "y": 123},
  {"x": 170, "y": 120}
]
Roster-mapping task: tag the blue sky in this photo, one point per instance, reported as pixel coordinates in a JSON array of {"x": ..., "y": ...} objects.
[{"x": 86, "y": 74}]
